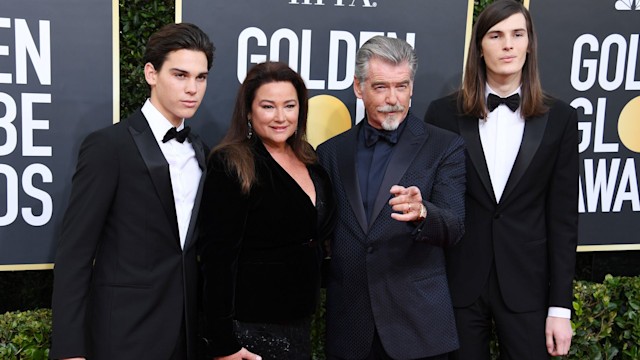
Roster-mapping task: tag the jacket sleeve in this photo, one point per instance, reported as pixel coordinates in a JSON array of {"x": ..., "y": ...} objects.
[
  {"x": 444, "y": 224},
  {"x": 222, "y": 216},
  {"x": 562, "y": 215},
  {"x": 93, "y": 187}
]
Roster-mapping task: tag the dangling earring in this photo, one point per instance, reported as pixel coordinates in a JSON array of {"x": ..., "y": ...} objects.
[{"x": 250, "y": 133}]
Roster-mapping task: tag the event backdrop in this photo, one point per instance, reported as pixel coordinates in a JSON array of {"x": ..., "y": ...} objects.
[
  {"x": 59, "y": 64},
  {"x": 55, "y": 87},
  {"x": 588, "y": 53},
  {"x": 319, "y": 39},
  {"x": 589, "y": 58}
]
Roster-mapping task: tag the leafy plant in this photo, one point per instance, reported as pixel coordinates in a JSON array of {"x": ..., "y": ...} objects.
[
  {"x": 25, "y": 335},
  {"x": 607, "y": 319},
  {"x": 138, "y": 20}
]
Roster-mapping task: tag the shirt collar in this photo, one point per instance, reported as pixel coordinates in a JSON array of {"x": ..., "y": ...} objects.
[
  {"x": 397, "y": 132},
  {"x": 157, "y": 122},
  {"x": 488, "y": 90}
]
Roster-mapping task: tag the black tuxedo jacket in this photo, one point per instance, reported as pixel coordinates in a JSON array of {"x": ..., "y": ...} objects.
[
  {"x": 531, "y": 234},
  {"x": 390, "y": 275},
  {"x": 122, "y": 282}
]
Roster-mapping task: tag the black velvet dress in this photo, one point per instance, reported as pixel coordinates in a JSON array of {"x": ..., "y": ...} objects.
[{"x": 261, "y": 256}]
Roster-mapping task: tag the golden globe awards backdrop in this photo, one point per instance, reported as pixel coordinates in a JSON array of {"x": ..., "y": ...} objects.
[
  {"x": 589, "y": 57},
  {"x": 59, "y": 81},
  {"x": 56, "y": 79},
  {"x": 319, "y": 39}
]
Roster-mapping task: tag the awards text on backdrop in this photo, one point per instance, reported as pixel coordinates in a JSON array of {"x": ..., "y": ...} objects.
[
  {"x": 610, "y": 64},
  {"x": 25, "y": 51}
]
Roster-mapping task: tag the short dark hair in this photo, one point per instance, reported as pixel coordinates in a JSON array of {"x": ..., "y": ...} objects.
[
  {"x": 236, "y": 144},
  {"x": 173, "y": 37}
]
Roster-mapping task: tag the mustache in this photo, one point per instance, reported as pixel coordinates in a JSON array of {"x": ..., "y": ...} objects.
[{"x": 390, "y": 108}]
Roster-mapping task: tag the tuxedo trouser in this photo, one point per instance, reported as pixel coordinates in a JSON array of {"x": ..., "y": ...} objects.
[
  {"x": 521, "y": 336},
  {"x": 378, "y": 353}
]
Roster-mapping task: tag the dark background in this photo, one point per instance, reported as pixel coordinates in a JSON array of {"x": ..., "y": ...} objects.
[
  {"x": 24, "y": 290},
  {"x": 81, "y": 102}
]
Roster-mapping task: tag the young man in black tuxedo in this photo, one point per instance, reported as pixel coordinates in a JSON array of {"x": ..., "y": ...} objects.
[
  {"x": 515, "y": 264},
  {"x": 125, "y": 272}
]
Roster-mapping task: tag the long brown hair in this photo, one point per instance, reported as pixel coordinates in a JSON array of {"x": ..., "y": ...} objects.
[
  {"x": 237, "y": 147},
  {"x": 471, "y": 97}
]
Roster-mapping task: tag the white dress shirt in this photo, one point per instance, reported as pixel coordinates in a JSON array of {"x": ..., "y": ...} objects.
[
  {"x": 501, "y": 135},
  {"x": 183, "y": 167}
]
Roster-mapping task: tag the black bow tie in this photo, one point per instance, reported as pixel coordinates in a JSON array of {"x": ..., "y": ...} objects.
[
  {"x": 180, "y": 136},
  {"x": 512, "y": 102},
  {"x": 372, "y": 135}
]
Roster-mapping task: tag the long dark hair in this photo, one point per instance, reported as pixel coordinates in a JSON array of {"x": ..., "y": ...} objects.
[
  {"x": 471, "y": 97},
  {"x": 238, "y": 148}
]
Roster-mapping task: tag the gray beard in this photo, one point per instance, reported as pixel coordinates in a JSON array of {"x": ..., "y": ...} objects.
[{"x": 390, "y": 123}]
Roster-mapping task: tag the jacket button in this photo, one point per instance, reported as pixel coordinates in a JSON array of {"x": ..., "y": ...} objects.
[
  {"x": 497, "y": 216},
  {"x": 370, "y": 249}
]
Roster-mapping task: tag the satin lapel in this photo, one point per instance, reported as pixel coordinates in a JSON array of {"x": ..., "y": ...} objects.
[
  {"x": 156, "y": 164},
  {"x": 469, "y": 131},
  {"x": 198, "y": 147},
  {"x": 408, "y": 146},
  {"x": 531, "y": 139},
  {"x": 346, "y": 150}
]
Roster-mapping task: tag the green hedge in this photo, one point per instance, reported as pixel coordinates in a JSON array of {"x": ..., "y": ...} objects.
[
  {"x": 138, "y": 20},
  {"x": 25, "y": 335},
  {"x": 606, "y": 325},
  {"x": 607, "y": 319}
]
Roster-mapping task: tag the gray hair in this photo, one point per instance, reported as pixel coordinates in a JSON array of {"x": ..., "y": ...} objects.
[{"x": 391, "y": 50}]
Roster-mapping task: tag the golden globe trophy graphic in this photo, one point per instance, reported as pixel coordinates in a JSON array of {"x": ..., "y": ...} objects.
[
  {"x": 328, "y": 117},
  {"x": 629, "y": 125}
]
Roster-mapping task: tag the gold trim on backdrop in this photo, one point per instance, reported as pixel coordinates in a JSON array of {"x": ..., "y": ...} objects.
[
  {"x": 115, "y": 43},
  {"x": 178, "y": 7},
  {"x": 581, "y": 248},
  {"x": 115, "y": 59},
  {"x": 616, "y": 247},
  {"x": 467, "y": 36},
  {"x": 22, "y": 267}
]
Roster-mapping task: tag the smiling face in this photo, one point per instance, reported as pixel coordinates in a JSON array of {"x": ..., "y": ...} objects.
[
  {"x": 274, "y": 113},
  {"x": 504, "y": 48},
  {"x": 178, "y": 87},
  {"x": 386, "y": 93}
]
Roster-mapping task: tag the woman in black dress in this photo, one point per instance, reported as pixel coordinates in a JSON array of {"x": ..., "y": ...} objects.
[{"x": 267, "y": 210}]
